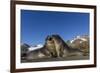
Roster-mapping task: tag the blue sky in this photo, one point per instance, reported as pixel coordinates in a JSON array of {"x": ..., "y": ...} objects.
[{"x": 36, "y": 25}]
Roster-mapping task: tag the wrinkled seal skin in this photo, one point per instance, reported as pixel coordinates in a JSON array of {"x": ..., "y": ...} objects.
[
  {"x": 62, "y": 49},
  {"x": 38, "y": 54},
  {"x": 47, "y": 51},
  {"x": 49, "y": 44}
]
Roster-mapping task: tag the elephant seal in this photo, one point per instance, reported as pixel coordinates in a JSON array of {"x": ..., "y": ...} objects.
[
  {"x": 62, "y": 49},
  {"x": 47, "y": 51},
  {"x": 50, "y": 46},
  {"x": 54, "y": 47},
  {"x": 38, "y": 54}
]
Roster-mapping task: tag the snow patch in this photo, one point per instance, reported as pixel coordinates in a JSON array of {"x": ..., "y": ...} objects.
[
  {"x": 79, "y": 37},
  {"x": 35, "y": 47}
]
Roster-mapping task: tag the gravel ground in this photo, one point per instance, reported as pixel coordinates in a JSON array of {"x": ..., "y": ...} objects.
[{"x": 58, "y": 59}]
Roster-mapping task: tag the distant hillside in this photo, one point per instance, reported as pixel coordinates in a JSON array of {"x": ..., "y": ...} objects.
[
  {"x": 81, "y": 42},
  {"x": 24, "y": 50}
]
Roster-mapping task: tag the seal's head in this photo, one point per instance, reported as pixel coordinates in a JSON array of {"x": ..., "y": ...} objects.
[
  {"x": 56, "y": 38},
  {"x": 49, "y": 40}
]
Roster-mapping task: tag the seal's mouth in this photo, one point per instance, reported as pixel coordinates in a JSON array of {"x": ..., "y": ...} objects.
[{"x": 50, "y": 38}]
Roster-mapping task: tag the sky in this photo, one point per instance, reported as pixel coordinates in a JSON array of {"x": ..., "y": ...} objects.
[{"x": 37, "y": 25}]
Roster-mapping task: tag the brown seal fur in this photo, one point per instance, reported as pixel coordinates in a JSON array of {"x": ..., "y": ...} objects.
[{"x": 62, "y": 49}]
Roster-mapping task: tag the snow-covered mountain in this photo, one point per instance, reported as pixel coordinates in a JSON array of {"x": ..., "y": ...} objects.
[
  {"x": 81, "y": 42},
  {"x": 35, "y": 47},
  {"x": 80, "y": 39}
]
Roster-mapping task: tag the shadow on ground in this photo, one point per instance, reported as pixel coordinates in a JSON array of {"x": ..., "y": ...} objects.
[{"x": 57, "y": 59}]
